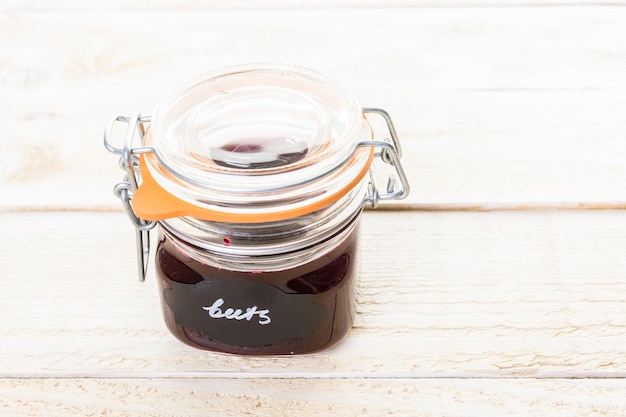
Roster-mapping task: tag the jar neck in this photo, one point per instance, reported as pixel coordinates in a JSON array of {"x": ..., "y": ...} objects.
[{"x": 266, "y": 246}]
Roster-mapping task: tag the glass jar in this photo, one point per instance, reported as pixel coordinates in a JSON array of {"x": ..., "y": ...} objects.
[{"x": 256, "y": 176}]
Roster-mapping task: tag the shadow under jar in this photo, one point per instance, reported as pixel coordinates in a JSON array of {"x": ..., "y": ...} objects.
[{"x": 256, "y": 176}]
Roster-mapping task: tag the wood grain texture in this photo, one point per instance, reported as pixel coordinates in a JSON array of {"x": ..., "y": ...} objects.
[
  {"x": 143, "y": 5},
  {"x": 522, "y": 294},
  {"x": 496, "y": 107},
  {"x": 192, "y": 397},
  {"x": 513, "y": 105}
]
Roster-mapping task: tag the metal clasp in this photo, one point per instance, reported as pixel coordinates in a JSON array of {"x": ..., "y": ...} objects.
[
  {"x": 389, "y": 151},
  {"x": 124, "y": 190}
]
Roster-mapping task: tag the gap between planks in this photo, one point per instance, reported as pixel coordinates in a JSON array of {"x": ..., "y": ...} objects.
[{"x": 568, "y": 375}]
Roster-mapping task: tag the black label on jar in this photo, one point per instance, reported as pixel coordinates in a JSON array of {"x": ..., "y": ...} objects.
[{"x": 243, "y": 312}]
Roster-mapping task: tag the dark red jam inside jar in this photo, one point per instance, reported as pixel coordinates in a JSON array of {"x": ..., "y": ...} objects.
[
  {"x": 256, "y": 177},
  {"x": 303, "y": 308}
]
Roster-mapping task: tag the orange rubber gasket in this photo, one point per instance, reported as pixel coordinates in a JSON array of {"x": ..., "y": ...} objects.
[{"x": 153, "y": 202}]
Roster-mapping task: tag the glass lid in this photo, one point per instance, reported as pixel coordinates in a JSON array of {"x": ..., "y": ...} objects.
[{"x": 256, "y": 139}]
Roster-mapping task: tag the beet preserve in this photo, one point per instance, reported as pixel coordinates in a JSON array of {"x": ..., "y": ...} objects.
[
  {"x": 300, "y": 309},
  {"x": 259, "y": 153},
  {"x": 256, "y": 177}
]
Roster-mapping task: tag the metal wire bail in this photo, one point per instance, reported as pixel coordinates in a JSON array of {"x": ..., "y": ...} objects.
[
  {"x": 390, "y": 152},
  {"x": 124, "y": 190}
]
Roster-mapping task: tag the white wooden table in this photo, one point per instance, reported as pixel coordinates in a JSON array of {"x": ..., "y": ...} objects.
[{"x": 497, "y": 288}]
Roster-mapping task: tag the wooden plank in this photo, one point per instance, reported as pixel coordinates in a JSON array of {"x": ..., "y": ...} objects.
[
  {"x": 120, "y": 5},
  {"x": 535, "y": 117},
  {"x": 460, "y": 313},
  {"x": 521, "y": 294},
  {"x": 233, "y": 397}
]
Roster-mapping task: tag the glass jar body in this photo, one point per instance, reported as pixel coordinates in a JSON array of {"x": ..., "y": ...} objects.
[
  {"x": 287, "y": 303},
  {"x": 256, "y": 176}
]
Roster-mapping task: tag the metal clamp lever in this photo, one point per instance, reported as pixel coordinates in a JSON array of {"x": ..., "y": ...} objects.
[
  {"x": 129, "y": 162},
  {"x": 390, "y": 153},
  {"x": 388, "y": 150}
]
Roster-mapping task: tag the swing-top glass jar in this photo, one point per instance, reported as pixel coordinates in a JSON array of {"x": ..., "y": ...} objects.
[{"x": 256, "y": 176}]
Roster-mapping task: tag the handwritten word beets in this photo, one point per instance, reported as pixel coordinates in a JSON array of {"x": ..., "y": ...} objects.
[{"x": 237, "y": 314}]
